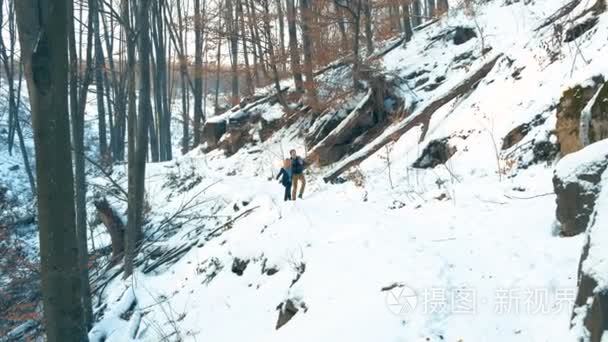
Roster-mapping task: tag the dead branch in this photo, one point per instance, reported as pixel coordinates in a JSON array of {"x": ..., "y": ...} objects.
[
  {"x": 230, "y": 222},
  {"x": 108, "y": 176},
  {"x": 531, "y": 197},
  {"x": 560, "y": 13}
]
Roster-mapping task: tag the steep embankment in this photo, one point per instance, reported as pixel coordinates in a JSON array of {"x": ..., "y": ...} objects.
[{"x": 470, "y": 230}]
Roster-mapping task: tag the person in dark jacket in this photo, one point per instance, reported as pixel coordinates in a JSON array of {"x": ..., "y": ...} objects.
[
  {"x": 297, "y": 168},
  {"x": 286, "y": 175}
]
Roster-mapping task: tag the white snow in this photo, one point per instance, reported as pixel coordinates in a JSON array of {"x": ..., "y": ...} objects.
[
  {"x": 586, "y": 160},
  {"x": 596, "y": 264}
]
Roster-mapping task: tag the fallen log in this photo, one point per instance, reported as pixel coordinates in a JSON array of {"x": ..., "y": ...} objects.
[
  {"x": 560, "y": 13},
  {"x": 398, "y": 43},
  {"x": 343, "y": 131},
  {"x": 336, "y": 65},
  {"x": 423, "y": 117},
  {"x": 425, "y": 25}
]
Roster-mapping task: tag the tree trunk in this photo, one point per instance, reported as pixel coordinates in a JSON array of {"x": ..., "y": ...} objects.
[
  {"x": 273, "y": 64},
  {"x": 137, "y": 166},
  {"x": 14, "y": 95},
  {"x": 417, "y": 16},
  {"x": 341, "y": 27},
  {"x": 44, "y": 54},
  {"x": 183, "y": 68},
  {"x": 256, "y": 57},
  {"x": 368, "y": 27},
  {"x": 198, "y": 72},
  {"x": 407, "y": 22},
  {"x": 309, "y": 85},
  {"x": 80, "y": 187},
  {"x": 116, "y": 87},
  {"x": 355, "y": 13},
  {"x": 281, "y": 20},
  {"x": 293, "y": 47},
  {"x": 231, "y": 28},
  {"x": 356, "y": 35},
  {"x": 430, "y": 8},
  {"x": 257, "y": 40},
  {"x": 162, "y": 107},
  {"x": 442, "y": 6},
  {"x": 216, "y": 104},
  {"x": 99, "y": 66},
  {"x": 249, "y": 81}
]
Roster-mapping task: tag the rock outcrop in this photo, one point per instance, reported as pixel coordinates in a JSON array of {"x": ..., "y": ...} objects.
[
  {"x": 212, "y": 133},
  {"x": 437, "y": 152},
  {"x": 576, "y": 182},
  {"x": 590, "y": 313},
  {"x": 570, "y": 112}
]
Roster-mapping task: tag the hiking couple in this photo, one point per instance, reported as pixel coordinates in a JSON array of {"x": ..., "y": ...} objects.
[{"x": 292, "y": 174}]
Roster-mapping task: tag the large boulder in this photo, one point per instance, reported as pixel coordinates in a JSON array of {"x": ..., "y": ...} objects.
[
  {"x": 213, "y": 132},
  {"x": 576, "y": 182},
  {"x": 437, "y": 152},
  {"x": 288, "y": 309},
  {"x": 590, "y": 313}
]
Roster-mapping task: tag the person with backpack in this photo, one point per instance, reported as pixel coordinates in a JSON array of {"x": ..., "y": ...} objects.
[
  {"x": 297, "y": 170},
  {"x": 286, "y": 175}
]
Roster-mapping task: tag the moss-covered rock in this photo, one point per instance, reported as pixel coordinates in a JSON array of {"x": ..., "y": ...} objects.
[{"x": 569, "y": 110}]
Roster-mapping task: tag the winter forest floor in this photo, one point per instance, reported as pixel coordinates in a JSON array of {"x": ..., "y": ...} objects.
[{"x": 348, "y": 258}]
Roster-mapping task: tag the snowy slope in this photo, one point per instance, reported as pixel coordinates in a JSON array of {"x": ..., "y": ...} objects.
[{"x": 474, "y": 240}]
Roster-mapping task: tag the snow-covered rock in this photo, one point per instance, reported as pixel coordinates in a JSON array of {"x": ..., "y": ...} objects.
[
  {"x": 590, "y": 314},
  {"x": 577, "y": 182}
]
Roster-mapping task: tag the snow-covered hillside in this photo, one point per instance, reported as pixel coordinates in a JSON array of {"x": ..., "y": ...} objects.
[{"x": 467, "y": 250}]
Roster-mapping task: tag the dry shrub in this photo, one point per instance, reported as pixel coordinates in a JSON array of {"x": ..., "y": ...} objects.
[
  {"x": 20, "y": 297},
  {"x": 357, "y": 177}
]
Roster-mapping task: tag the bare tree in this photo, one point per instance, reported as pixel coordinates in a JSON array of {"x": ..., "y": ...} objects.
[
  {"x": 417, "y": 13},
  {"x": 442, "y": 6},
  {"x": 44, "y": 46},
  {"x": 198, "y": 72},
  {"x": 138, "y": 168},
  {"x": 368, "y": 27},
  {"x": 232, "y": 30},
  {"x": 281, "y": 20},
  {"x": 273, "y": 61},
  {"x": 354, "y": 7},
  {"x": 161, "y": 85},
  {"x": 309, "y": 85},
  {"x": 293, "y": 47},
  {"x": 248, "y": 79},
  {"x": 407, "y": 21},
  {"x": 99, "y": 67},
  {"x": 14, "y": 95}
]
